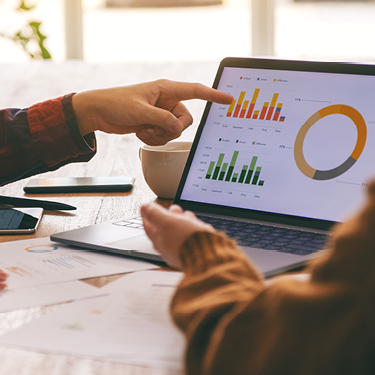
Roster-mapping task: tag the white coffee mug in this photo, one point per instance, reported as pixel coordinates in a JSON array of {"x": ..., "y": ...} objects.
[{"x": 162, "y": 166}]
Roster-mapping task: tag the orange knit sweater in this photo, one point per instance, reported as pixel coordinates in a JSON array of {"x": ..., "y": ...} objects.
[{"x": 236, "y": 324}]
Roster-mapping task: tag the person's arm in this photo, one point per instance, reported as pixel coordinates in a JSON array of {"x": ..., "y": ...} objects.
[
  {"x": 236, "y": 324},
  {"x": 153, "y": 110},
  {"x": 41, "y": 138},
  {"x": 56, "y": 132}
]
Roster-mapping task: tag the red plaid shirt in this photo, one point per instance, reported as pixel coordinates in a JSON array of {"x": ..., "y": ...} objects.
[{"x": 41, "y": 138}]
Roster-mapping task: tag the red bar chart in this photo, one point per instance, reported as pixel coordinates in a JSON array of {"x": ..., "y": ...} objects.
[{"x": 269, "y": 111}]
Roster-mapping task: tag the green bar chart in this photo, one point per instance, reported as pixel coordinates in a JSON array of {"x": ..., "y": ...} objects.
[
  {"x": 223, "y": 171},
  {"x": 218, "y": 166},
  {"x": 231, "y": 166}
]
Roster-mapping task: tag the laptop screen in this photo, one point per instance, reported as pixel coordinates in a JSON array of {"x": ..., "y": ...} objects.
[{"x": 298, "y": 143}]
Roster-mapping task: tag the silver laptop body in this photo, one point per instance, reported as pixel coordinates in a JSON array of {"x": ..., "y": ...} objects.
[{"x": 294, "y": 151}]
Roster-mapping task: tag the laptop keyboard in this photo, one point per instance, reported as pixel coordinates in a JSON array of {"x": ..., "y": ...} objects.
[
  {"x": 135, "y": 222},
  {"x": 269, "y": 237},
  {"x": 261, "y": 236}
]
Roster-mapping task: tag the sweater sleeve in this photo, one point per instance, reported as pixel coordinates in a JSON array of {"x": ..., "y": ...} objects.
[
  {"x": 235, "y": 323},
  {"x": 41, "y": 138}
]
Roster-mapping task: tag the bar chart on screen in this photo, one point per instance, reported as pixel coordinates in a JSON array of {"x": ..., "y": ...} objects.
[
  {"x": 251, "y": 106},
  {"x": 248, "y": 174}
]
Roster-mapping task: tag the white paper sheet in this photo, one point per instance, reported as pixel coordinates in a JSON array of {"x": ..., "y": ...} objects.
[
  {"x": 39, "y": 261},
  {"x": 132, "y": 325},
  {"x": 47, "y": 295}
]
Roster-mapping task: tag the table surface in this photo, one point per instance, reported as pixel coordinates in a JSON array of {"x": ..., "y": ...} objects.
[{"x": 22, "y": 85}]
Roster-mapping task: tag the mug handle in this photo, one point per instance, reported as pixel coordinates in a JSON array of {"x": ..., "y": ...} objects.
[{"x": 140, "y": 153}]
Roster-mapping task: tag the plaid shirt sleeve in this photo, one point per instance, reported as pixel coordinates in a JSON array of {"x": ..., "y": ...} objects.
[{"x": 41, "y": 138}]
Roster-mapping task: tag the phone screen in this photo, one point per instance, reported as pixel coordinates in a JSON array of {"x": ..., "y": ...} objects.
[{"x": 19, "y": 220}]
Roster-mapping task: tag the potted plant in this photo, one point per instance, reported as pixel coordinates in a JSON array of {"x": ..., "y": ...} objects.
[{"x": 29, "y": 37}]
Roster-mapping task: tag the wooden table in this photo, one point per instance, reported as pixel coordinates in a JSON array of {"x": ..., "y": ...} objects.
[{"x": 24, "y": 84}]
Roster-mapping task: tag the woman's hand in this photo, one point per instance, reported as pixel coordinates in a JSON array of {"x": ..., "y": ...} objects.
[
  {"x": 153, "y": 110},
  {"x": 3, "y": 277},
  {"x": 169, "y": 229}
]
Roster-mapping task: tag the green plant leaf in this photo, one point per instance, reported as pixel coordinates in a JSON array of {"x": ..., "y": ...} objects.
[
  {"x": 40, "y": 39},
  {"x": 30, "y": 32},
  {"x": 23, "y": 6}
]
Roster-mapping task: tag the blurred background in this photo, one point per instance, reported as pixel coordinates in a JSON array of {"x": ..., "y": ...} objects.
[{"x": 184, "y": 30}]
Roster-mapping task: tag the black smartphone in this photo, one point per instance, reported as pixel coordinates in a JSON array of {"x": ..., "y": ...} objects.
[
  {"x": 20, "y": 220},
  {"x": 79, "y": 185}
]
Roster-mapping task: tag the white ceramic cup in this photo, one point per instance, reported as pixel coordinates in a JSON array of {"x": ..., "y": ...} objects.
[{"x": 162, "y": 166}]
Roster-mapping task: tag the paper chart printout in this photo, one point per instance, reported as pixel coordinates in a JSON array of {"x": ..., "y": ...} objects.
[
  {"x": 40, "y": 261},
  {"x": 132, "y": 325},
  {"x": 47, "y": 295}
]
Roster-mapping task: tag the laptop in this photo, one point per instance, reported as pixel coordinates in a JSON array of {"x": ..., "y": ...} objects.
[{"x": 276, "y": 169}]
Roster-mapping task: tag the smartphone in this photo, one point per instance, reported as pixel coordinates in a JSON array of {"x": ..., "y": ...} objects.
[
  {"x": 79, "y": 185},
  {"x": 20, "y": 220}
]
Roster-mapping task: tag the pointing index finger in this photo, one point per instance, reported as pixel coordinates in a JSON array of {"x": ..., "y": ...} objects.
[{"x": 187, "y": 91}]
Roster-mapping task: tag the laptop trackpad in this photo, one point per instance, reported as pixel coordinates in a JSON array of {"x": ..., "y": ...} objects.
[{"x": 139, "y": 243}]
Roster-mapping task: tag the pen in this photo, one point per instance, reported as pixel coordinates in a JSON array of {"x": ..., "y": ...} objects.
[{"x": 26, "y": 202}]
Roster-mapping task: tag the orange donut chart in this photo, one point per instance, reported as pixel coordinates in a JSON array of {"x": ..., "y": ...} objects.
[
  {"x": 341, "y": 109},
  {"x": 41, "y": 248}
]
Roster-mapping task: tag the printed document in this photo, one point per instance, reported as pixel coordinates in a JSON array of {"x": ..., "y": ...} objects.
[
  {"x": 39, "y": 261},
  {"x": 47, "y": 295},
  {"x": 131, "y": 325}
]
